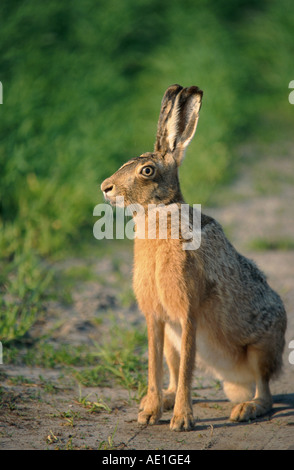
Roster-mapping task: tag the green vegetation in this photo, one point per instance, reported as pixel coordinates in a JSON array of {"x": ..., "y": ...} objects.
[
  {"x": 93, "y": 406},
  {"x": 261, "y": 244},
  {"x": 82, "y": 84},
  {"x": 120, "y": 360}
]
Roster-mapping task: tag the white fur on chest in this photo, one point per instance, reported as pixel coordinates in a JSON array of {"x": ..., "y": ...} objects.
[{"x": 208, "y": 357}]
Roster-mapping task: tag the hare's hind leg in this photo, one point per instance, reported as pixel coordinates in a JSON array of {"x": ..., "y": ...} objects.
[
  {"x": 261, "y": 404},
  {"x": 239, "y": 392}
]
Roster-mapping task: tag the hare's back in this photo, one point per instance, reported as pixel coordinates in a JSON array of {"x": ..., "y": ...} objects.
[{"x": 239, "y": 290}]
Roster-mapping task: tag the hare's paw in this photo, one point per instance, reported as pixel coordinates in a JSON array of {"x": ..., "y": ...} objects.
[
  {"x": 168, "y": 399},
  {"x": 244, "y": 411},
  {"x": 149, "y": 417},
  {"x": 150, "y": 410},
  {"x": 182, "y": 422},
  {"x": 249, "y": 410}
]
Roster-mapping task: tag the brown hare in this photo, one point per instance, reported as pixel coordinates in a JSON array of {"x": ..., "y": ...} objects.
[{"x": 209, "y": 305}]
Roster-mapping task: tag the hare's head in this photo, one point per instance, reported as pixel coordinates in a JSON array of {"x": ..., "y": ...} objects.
[{"x": 152, "y": 178}]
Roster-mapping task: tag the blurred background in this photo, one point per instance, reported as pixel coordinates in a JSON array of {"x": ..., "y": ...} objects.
[{"x": 82, "y": 85}]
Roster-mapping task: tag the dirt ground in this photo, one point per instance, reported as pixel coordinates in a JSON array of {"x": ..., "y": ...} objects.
[{"x": 258, "y": 205}]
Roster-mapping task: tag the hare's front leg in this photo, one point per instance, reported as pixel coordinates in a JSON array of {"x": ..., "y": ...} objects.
[
  {"x": 182, "y": 419},
  {"x": 172, "y": 356},
  {"x": 151, "y": 404}
]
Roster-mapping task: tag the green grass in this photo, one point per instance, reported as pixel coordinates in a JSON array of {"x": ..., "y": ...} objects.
[
  {"x": 120, "y": 360},
  {"x": 23, "y": 287},
  {"x": 93, "y": 406},
  {"x": 264, "y": 244},
  {"x": 82, "y": 85}
]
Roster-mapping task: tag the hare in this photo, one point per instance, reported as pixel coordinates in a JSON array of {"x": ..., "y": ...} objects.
[{"x": 210, "y": 306}]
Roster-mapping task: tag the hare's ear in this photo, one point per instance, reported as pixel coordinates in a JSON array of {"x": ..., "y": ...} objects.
[{"x": 178, "y": 120}]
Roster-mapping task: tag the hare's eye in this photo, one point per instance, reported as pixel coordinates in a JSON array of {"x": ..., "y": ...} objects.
[{"x": 147, "y": 171}]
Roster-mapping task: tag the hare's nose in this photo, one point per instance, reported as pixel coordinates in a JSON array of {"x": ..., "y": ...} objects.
[{"x": 106, "y": 186}]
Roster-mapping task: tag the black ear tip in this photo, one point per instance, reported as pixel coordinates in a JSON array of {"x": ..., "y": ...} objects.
[
  {"x": 172, "y": 91},
  {"x": 175, "y": 87},
  {"x": 195, "y": 90}
]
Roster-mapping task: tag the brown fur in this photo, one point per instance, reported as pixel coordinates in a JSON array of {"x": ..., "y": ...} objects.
[{"x": 212, "y": 303}]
